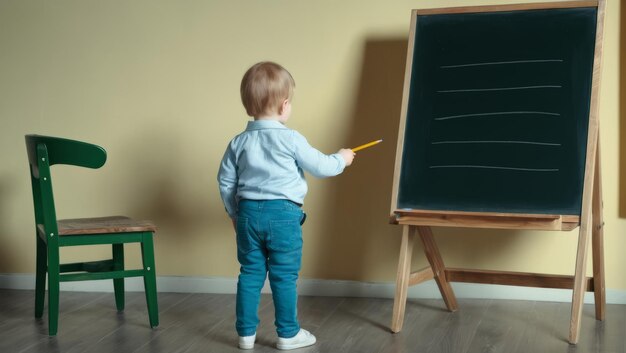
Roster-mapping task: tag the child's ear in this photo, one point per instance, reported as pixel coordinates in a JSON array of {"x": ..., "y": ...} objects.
[{"x": 283, "y": 107}]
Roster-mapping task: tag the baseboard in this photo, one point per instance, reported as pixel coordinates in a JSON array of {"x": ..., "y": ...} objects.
[{"x": 316, "y": 287}]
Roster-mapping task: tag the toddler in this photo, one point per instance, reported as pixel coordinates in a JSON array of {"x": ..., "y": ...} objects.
[{"x": 262, "y": 185}]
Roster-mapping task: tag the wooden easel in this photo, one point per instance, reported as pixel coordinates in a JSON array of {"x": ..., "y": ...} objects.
[{"x": 591, "y": 223}]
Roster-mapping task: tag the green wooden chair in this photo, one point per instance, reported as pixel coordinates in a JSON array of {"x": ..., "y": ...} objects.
[{"x": 51, "y": 234}]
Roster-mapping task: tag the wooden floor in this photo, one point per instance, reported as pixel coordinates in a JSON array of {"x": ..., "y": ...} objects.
[{"x": 89, "y": 322}]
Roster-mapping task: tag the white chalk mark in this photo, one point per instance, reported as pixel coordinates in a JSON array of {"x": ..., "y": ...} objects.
[
  {"x": 502, "y": 63},
  {"x": 495, "y": 113},
  {"x": 495, "y": 167},
  {"x": 497, "y": 89},
  {"x": 513, "y": 142}
]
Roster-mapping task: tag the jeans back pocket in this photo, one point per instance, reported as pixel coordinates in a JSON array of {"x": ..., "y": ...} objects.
[{"x": 285, "y": 235}]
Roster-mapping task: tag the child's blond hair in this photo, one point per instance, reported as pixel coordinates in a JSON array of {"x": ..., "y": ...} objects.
[{"x": 264, "y": 87}]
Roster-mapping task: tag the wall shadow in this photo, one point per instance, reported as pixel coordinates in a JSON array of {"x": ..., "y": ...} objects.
[
  {"x": 358, "y": 211},
  {"x": 622, "y": 114},
  {"x": 5, "y": 256}
]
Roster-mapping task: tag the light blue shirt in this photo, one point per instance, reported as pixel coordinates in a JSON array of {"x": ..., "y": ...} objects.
[{"x": 266, "y": 162}]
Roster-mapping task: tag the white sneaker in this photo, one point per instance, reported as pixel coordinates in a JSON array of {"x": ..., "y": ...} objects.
[
  {"x": 247, "y": 342},
  {"x": 304, "y": 338}
]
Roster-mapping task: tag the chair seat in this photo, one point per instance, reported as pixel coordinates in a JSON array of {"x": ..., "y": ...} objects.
[{"x": 101, "y": 225}]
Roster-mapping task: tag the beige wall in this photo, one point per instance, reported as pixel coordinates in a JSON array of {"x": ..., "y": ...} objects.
[{"x": 156, "y": 84}]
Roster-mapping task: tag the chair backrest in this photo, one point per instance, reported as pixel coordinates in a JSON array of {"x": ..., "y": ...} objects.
[{"x": 45, "y": 151}]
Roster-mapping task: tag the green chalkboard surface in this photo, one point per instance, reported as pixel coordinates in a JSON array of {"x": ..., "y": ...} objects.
[{"x": 498, "y": 112}]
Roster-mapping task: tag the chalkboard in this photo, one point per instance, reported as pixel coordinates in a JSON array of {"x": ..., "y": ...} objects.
[{"x": 497, "y": 112}]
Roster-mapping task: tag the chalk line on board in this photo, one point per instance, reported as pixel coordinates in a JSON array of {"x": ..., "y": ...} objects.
[
  {"x": 502, "y": 63},
  {"x": 495, "y": 113},
  {"x": 494, "y": 167},
  {"x": 497, "y": 89},
  {"x": 513, "y": 142}
]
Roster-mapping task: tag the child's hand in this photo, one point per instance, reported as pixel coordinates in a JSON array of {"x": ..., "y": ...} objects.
[{"x": 347, "y": 155}]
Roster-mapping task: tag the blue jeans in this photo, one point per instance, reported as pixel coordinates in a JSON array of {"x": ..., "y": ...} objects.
[{"x": 269, "y": 240}]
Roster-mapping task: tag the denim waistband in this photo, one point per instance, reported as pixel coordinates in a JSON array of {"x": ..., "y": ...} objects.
[{"x": 269, "y": 204}]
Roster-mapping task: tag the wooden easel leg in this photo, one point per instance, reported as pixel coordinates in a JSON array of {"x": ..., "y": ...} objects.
[
  {"x": 439, "y": 269},
  {"x": 586, "y": 229},
  {"x": 578, "y": 294},
  {"x": 591, "y": 197},
  {"x": 597, "y": 242},
  {"x": 402, "y": 278}
]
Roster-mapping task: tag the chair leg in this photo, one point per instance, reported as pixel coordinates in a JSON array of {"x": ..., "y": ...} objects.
[
  {"x": 149, "y": 278},
  {"x": 40, "y": 279},
  {"x": 53, "y": 290},
  {"x": 118, "y": 283}
]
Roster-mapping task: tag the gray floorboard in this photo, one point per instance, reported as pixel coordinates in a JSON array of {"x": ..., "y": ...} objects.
[{"x": 191, "y": 323}]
